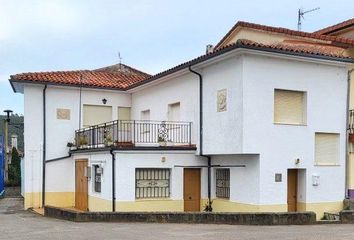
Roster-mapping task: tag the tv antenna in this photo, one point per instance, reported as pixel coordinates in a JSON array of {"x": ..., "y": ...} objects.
[
  {"x": 301, "y": 14},
  {"x": 120, "y": 58}
]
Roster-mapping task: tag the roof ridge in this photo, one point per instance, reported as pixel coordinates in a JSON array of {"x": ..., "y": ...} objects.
[
  {"x": 285, "y": 31},
  {"x": 335, "y": 27}
]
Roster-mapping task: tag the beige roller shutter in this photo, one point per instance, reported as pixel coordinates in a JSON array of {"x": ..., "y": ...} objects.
[
  {"x": 124, "y": 113},
  {"x": 93, "y": 114},
  {"x": 289, "y": 107},
  {"x": 327, "y": 149}
]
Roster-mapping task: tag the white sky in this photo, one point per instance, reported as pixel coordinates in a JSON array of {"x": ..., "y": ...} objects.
[{"x": 151, "y": 35}]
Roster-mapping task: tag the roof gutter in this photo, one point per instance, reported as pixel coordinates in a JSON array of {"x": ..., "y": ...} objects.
[
  {"x": 44, "y": 145},
  {"x": 347, "y": 160},
  {"x": 209, "y": 207},
  {"x": 113, "y": 180}
]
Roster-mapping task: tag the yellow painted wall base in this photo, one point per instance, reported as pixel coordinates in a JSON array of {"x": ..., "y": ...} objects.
[
  {"x": 154, "y": 205},
  {"x": 99, "y": 205},
  {"x": 56, "y": 199},
  {"x": 320, "y": 208},
  {"x": 224, "y": 205}
]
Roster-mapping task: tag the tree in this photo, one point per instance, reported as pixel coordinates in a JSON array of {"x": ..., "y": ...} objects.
[{"x": 15, "y": 168}]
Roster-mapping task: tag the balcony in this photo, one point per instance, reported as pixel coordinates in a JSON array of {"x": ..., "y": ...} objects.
[{"x": 135, "y": 134}]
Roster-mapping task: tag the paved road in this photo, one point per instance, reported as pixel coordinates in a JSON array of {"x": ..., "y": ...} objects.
[{"x": 18, "y": 224}]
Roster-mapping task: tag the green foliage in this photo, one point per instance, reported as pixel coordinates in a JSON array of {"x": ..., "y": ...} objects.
[
  {"x": 14, "y": 169},
  {"x": 15, "y": 127}
]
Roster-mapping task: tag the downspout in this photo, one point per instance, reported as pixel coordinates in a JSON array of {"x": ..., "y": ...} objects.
[
  {"x": 44, "y": 144},
  {"x": 113, "y": 181},
  {"x": 209, "y": 206},
  {"x": 347, "y": 155}
]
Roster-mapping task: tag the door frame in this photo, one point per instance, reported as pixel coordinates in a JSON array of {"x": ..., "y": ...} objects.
[
  {"x": 295, "y": 173},
  {"x": 77, "y": 205},
  {"x": 198, "y": 186}
]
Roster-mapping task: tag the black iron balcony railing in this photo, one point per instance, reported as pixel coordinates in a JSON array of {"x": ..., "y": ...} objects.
[{"x": 133, "y": 133}]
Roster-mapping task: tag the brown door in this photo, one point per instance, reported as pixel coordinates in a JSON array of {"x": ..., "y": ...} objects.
[
  {"x": 191, "y": 189},
  {"x": 81, "y": 193},
  {"x": 292, "y": 190}
]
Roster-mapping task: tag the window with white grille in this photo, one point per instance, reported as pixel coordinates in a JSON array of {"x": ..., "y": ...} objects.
[
  {"x": 326, "y": 148},
  {"x": 223, "y": 183},
  {"x": 289, "y": 107},
  {"x": 152, "y": 182}
]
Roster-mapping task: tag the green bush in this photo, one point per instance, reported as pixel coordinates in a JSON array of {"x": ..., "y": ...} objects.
[{"x": 14, "y": 169}]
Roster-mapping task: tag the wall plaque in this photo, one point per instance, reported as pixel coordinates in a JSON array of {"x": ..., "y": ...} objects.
[
  {"x": 63, "y": 114},
  {"x": 221, "y": 100}
]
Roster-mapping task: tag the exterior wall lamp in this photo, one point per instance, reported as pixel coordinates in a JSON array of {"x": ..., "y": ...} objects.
[{"x": 104, "y": 101}]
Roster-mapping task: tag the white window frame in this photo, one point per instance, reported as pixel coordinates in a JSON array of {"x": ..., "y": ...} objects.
[{"x": 337, "y": 163}]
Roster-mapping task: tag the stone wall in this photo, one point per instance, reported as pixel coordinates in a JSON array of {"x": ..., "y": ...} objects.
[{"x": 299, "y": 218}]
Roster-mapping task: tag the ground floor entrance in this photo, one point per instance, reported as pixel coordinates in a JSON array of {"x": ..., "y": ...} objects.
[
  {"x": 292, "y": 189},
  {"x": 191, "y": 189},
  {"x": 81, "y": 184}
]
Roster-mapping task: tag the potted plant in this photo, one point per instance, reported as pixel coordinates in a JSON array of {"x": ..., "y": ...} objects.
[
  {"x": 71, "y": 145},
  {"x": 108, "y": 141},
  {"x": 162, "y": 141},
  {"x": 83, "y": 142}
]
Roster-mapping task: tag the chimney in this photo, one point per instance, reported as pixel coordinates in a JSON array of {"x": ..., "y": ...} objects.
[
  {"x": 209, "y": 48},
  {"x": 13, "y": 141}
]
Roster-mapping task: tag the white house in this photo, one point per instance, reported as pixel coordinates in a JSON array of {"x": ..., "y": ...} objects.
[{"x": 256, "y": 124}]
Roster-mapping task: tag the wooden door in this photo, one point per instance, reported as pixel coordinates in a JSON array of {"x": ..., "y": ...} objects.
[
  {"x": 292, "y": 190},
  {"x": 191, "y": 189},
  {"x": 81, "y": 185}
]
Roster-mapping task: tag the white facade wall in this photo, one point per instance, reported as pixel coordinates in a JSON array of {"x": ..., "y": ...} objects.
[
  {"x": 183, "y": 89},
  {"x": 128, "y": 161},
  {"x": 244, "y": 181},
  {"x": 60, "y": 175},
  {"x": 280, "y": 145},
  {"x": 222, "y": 131},
  {"x": 33, "y": 138}
]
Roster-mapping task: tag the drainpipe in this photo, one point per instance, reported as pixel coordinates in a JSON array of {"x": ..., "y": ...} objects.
[
  {"x": 347, "y": 160},
  {"x": 44, "y": 144},
  {"x": 209, "y": 207},
  {"x": 113, "y": 181}
]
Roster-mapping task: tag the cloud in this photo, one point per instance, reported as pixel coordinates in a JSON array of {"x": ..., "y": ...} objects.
[{"x": 25, "y": 18}]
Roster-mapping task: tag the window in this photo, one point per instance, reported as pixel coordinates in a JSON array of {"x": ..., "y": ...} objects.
[
  {"x": 97, "y": 177},
  {"x": 223, "y": 183},
  {"x": 93, "y": 115},
  {"x": 326, "y": 149},
  {"x": 145, "y": 115},
  {"x": 124, "y": 113},
  {"x": 152, "y": 183},
  {"x": 289, "y": 107},
  {"x": 174, "y": 112}
]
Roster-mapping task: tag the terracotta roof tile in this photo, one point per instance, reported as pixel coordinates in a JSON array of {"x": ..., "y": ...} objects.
[
  {"x": 96, "y": 78},
  {"x": 336, "y": 27},
  {"x": 302, "y": 48},
  {"x": 332, "y": 39}
]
